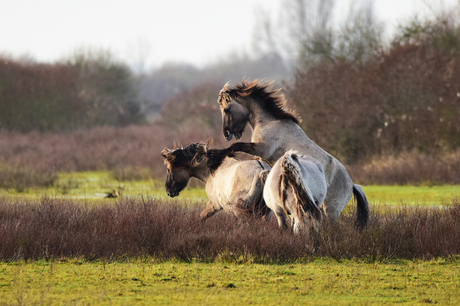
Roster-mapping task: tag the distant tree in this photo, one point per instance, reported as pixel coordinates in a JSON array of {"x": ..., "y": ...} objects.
[
  {"x": 308, "y": 32},
  {"x": 405, "y": 98},
  {"x": 89, "y": 89},
  {"x": 106, "y": 88}
]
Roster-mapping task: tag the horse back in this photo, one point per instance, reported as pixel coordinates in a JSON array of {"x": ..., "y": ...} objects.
[{"x": 281, "y": 136}]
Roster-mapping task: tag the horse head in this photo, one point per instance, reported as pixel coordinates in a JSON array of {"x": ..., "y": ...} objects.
[
  {"x": 234, "y": 115},
  {"x": 250, "y": 99},
  {"x": 180, "y": 163}
]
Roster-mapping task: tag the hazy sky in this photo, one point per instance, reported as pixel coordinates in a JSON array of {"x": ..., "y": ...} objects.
[{"x": 195, "y": 31}]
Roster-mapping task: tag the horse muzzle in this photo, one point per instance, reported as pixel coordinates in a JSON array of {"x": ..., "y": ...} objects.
[
  {"x": 228, "y": 135},
  {"x": 173, "y": 194}
]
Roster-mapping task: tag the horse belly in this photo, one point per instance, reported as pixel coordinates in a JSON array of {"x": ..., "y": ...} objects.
[{"x": 228, "y": 189}]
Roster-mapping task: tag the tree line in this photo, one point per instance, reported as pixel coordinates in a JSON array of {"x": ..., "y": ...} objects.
[{"x": 358, "y": 96}]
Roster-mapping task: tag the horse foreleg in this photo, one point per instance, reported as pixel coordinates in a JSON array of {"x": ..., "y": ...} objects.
[
  {"x": 216, "y": 156},
  {"x": 209, "y": 211}
]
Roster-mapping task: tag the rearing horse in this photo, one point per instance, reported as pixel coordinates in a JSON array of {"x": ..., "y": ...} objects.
[{"x": 275, "y": 130}]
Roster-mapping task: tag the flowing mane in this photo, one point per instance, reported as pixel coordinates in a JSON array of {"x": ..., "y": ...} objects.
[
  {"x": 261, "y": 92},
  {"x": 191, "y": 155}
]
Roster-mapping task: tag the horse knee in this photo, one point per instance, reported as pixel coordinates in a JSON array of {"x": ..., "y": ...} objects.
[
  {"x": 209, "y": 211},
  {"x": 205, "y": 214}
]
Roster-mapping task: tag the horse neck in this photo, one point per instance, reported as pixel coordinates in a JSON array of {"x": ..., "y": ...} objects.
[
  {"x": 257, "y": 115},
  {"x": 201, "y": 172}
]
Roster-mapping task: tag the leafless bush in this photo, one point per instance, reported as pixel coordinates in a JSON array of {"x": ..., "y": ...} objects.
[
  {"x": 91, "y": 89},
  {"x": 104, "y": 148},
  {"x": 53, "y": 228},
  {"x": 409, "y": 168},
  {"x": 407, "y": 99},
  {"x": 20, "y": 178}
]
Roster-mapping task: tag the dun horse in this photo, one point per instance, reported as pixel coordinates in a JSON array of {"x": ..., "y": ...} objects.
[
  {"x": 296, "y": 184},
  {"x": 236, "y": 186},
  {"x": 275, "y": 130}
]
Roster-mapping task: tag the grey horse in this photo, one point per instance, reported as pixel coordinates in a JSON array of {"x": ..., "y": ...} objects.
[
  {"x": 236, "y": 186},
  {"x": 275, "y": 130},
  {"x": 295, "y": 185}
]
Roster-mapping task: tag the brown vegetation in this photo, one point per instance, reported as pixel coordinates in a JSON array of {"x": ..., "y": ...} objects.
[
  {"x": 133, "y": 153},
  {"x": 91, "y": 89},
  {"x": 55, "y": 229},
  {"x": 407, "y": 99}
]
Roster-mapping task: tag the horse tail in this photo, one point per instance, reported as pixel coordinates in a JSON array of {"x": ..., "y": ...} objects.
[
  {"x": 291, "y": 176},
  {"x": 363, "y": 206}
]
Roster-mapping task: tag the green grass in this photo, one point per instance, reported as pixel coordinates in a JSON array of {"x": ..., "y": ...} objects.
[
  {"x": 320, "y": 282},
  {"x": 412, "y": 195},
  {"x": 95, "y": 185}
]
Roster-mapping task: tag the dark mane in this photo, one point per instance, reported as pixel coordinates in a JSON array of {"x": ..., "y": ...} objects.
[
  {"x": 188, "y": 156},
  {"x": 261, "y": 92}
]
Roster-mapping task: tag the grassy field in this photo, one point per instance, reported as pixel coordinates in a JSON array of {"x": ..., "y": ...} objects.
[
  {"x": 226, "y": 279},
  {"x": 320, "y": 282},
  {"x": 95, "y": 185},
  {"x": 412, "y": 195}
]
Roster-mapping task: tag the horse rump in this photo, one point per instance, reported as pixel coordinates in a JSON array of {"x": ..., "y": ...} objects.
[{"x": 291, "y": 176}]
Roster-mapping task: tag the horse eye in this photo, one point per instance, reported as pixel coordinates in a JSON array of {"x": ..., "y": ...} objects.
[{"x": 227, "y": 110}]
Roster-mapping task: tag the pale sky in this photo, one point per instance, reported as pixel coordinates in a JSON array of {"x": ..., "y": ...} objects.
[{"x": 193, "y": 31}]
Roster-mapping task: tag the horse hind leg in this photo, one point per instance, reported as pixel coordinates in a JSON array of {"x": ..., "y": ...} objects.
[
  {"x": 282, "y": 220},
  {"x": 209, "y": 211},
  {"x": 255, "y": 193}
]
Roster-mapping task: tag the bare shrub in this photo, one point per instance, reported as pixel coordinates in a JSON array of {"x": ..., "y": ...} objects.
[
  {"x": 53, "y": 228},
  {"x": 405, "y": 100},
  {"x": 20, "y": 178},
  {"x": 91, "y": 89},
  {"x": 409, "y": 168}
]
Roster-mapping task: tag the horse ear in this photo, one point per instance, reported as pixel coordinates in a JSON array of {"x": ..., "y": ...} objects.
[
  {"x": 223, "y": 98},
  {"x": 209, "y": 143},
  {"x": 165, "y": 153}
]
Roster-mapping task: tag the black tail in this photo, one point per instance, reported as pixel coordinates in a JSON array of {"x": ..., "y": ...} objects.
[{"x": 362, "y": 206}]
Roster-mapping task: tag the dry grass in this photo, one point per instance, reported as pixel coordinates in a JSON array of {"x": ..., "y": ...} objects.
[{"x": 54, "y": 228}]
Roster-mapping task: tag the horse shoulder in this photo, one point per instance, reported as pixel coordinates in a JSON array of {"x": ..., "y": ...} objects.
[{"x": 271, "y": 136}]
